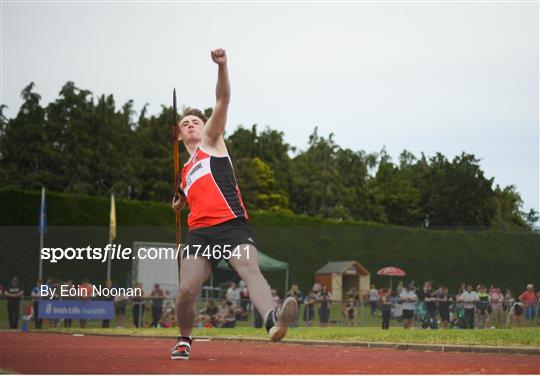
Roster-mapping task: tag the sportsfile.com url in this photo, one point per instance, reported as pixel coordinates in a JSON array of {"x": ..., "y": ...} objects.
[{"x": 117, "y": 252}]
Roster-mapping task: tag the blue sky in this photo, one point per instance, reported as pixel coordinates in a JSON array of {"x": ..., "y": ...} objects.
[{"x": 431, "y": 76}]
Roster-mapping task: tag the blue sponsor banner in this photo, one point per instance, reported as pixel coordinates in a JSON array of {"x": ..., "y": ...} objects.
[{"x": 76, "y": 309}]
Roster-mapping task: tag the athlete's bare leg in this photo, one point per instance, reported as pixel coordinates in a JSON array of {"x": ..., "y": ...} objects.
[
  {"x": 194, "y": 273},
  {"x": 247, "y": 267}
]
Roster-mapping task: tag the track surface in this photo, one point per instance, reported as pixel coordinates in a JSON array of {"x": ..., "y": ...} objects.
[{"x": 56, "y": 353}]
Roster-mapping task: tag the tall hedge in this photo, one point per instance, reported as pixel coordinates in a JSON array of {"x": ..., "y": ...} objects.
[{"x": 449, "y": 257}]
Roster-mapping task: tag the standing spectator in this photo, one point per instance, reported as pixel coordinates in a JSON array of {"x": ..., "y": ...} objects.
[
  {"x": 430, "y": 299},
  {"x": 309, "y": 308},
  {"x": 529, "y": 300},
  {"x": 373, "y": 298},
  {"x": 85, "y": 289},
  {"x": 350, "y": 312},
  {"x": 508, "y": 299},
  {"x": 408, "y": 300},
  {"x": 14, "y": 294},
  {"x": 108, "y": 284},
  {"x": 325, "y": 300},
  {"x": 68, "y": 322},
  {"x": 469, "y": 299},
  {"x": 297, "y": 295},
  {"x": 482, "y": 307},
  {"x": 36, "y": 296},
  {"x": 399, "y": 287},
  {"x": 444, "y": 299},
  {"x": 120, "y": 302},
  {"x": 496, "y": 300},
  {"x": 386, "y": 308},
  {"x": 138, "y": 308},
  {"x": 230, "y": 295},
  {"x": 157, "y": 295}
]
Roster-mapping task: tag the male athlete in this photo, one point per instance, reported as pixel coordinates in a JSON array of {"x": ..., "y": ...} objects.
[{"x": 217, "y": 220}]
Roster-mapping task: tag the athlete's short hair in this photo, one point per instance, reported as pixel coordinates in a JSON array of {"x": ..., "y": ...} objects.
[{"x": 195, "y": 112}]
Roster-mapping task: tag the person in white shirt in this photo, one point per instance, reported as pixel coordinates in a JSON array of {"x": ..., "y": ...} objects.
[
  {"x": 373, "y": 299},
  {"x": 469, "y": 299},
  {"x": 408, "y": 301}
]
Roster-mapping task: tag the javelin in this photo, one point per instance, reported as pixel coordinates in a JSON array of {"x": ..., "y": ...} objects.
[{"x": 176, "y": 167}]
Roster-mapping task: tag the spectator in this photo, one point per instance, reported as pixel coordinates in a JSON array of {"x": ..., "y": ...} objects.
[
  {"x": 85, "y": 289},
  {"x": 36, "y": 296},
  {"x": 108, "y": 284},
  {"x": 138, "y": 308},
  {"x": 529, "y": 300},
  {"x": 350, "y": 312},
  {"x": 297, "y": 295},
  {"x": 444, "y": 300},
  {"x": 408, "y": 300},
  {"x": 482, "y": 307},
  {"x": 515, "y": 314},
  {"x": 231, "y": 294},
  {"x": 68, "y": 322},
  {"x": 309, "y": 308},
  {"x": 316, "y": 288},
  {"x": 469, "y": 299},
  {"x": 244, "y": 297},
  {"x": 399, "y": 287},
  {"x": 508, "y": 300},
  {"x": 120, "y": 302},
  {"x": 229, "y": 320},
  {"x": 373, "y": 298},
  {"x": 386, "y": 308},
  {"x": 14, "y": 294},
  {"x": 325, "y": 300},
  {"x": 430, "y": 303},
  {"x": 208, "y": 316},
  {"x": 157, "y": 295},
  {"x": 496, "y": 300}
]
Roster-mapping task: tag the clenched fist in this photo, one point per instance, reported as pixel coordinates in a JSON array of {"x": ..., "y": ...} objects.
[{"x": 219, "y": 56}]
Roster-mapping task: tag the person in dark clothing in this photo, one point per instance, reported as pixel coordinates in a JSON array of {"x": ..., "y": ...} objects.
[
  {"x": 36, "y": 296},
  {"x": 138, "y": 308},
  {"x": 386, "y": 308},
  {"x": 157, "y": 295},
  {"x": 108, "y": 284},
  {"x": 325, "y": 298},
  {"x": 14, "y": 294},
  {"x": 444, "y": 300},
  {"x": 309, "y": 308},
  {"x": 430, "y": 299}
]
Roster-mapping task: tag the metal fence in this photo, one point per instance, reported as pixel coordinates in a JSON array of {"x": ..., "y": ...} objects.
[{"x": 145, "y": 314}]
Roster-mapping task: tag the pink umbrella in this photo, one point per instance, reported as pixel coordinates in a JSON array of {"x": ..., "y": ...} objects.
[{"x": 391, "y": 271}]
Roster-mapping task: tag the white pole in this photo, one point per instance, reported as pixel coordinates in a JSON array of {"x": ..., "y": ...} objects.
[{"x": 41, "y": 219}]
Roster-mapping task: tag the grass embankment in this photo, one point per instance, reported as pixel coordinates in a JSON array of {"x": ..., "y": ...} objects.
[{"x": 487, "y": 337}]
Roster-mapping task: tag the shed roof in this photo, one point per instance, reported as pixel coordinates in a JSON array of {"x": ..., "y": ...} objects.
[{"x": 340, "y": 267}]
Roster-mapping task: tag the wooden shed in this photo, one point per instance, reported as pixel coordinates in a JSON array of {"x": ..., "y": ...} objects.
[{"x": 340, "y": 276}]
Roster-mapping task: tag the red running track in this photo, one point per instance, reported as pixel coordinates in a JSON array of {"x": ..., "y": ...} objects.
[{"x": 58, "y": 353}]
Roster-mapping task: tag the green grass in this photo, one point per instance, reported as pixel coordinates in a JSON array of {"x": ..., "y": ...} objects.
[{"x": 494, "y": 337}]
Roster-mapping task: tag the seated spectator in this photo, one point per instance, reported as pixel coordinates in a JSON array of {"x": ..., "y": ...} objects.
[
  {"x": 229, "y": 320},
  {"x": 515, "y": 314}
]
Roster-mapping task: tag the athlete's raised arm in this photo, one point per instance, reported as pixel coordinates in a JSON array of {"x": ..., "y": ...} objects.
[{"x": 215, "y": 126}]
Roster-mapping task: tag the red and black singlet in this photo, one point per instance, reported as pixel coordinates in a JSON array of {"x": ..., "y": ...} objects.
[{"x": 212, "y": 193}]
